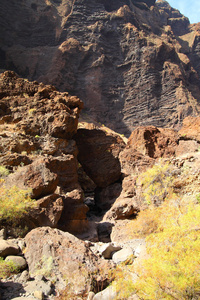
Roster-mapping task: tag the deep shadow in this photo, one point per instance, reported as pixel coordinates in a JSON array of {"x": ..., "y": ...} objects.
[{"x": 10, "y": 290}]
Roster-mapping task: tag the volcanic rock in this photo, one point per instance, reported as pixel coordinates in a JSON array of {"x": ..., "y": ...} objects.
[
  {"x": 18, "y": 261},
  {"x": 154, "y": 142},
  {"x": 98, "y": 154},
  {"x": 36, "y": 126},
  {"x": 132, "y": 62},
  {"x": 35, "y": 177},
  {"x": 8, "y": 248},
  {"x": 66, "y": 257}
]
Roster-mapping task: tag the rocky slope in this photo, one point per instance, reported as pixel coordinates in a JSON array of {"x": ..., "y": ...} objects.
[
  {"x": 131, "y": 62},
  {"x": 46, "y": 152}
]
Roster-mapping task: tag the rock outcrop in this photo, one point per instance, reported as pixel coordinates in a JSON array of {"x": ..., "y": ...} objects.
[
  {"x": 36, "y": 127},
  {"x": 132, "y": 62},
  {"x": 64, "y": 258}
]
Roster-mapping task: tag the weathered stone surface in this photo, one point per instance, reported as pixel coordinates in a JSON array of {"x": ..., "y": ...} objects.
[
  {"x": 191, "y": 129},
  {"x": 109, "y": 293},
  {"x": 106, "y": 250},
  {"x": 36, "y": 122},
  {"x": 123, "y": 208},
  {"x": 122, "y": 255},
  {"x": 37, "y": 109},
  {"x": 154, "y": 142},
  {"x": 98, "y": 155},
  {"x": 61, "y": 255},
  {"x": 39, "y": 286},
  {"x": 35, "y": 177},
  {"x": 187, "y": 146},
  {"x": 19, "y": 261},
  {"x": 8, "y": 248},
  {"x": 133, "y": 162},
  {"x": 131, "y": 62},
  {"x": 48, "y": 211}
]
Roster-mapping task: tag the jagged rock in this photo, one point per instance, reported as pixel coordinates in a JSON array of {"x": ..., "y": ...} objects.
[
  {"x": 54, "y": 253},
  {"x": 123, "y": 208},
  {"x": 98, "y": 155},
  {"x": 35, "y": 177},
  {"x": 186, "y": 146},
  {"x": 154, "y": 142},
  {"x": 133, "y": 162},
  {"x": 8, "y": 248},
  {"x": 48, "y": 211},
  {"x": 19, "y": 261},
  {"x": 131, "y": 62},
  {"x": 37, "y": 109},
  {"x": 190, "y": 129}
]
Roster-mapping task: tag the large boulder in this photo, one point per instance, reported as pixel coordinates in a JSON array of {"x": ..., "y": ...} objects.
[
  {"x": 35, "y": 177},
  {"x": 134, "y": 162},
  {"x": 8, "y": 248},
  {"x": 191, "y": 129},
  {"x": 154, "y": 142},
  {"x": 56, "y": 254}
]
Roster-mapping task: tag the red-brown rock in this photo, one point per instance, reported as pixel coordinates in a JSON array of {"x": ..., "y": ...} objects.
[
  {"x": 37, "y": 109},
  {"x": 35, "y": 177},
  {"x": 154, "y": 142},
  {"x": 191, "y": 129}
]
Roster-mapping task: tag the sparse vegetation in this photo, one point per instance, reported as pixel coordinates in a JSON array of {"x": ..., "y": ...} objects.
[
  {"x": 15, "y": 203},
  {"x": 172, "y": 270},
  {"x": 156, "y": 183},
  {"x": 3, "y": 171},
  {"x": 45, "y": 266},
  {"x": 7, "y": 268}
]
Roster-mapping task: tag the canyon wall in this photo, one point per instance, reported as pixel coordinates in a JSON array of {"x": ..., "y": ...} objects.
[{"x": 131, "y": 62}]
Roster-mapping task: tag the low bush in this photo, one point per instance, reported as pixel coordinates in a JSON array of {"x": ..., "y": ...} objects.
[
  {"x": 15, "y": 203},
  {"x": 172, "y": 269},
  {"x": 7, "y": 268}
]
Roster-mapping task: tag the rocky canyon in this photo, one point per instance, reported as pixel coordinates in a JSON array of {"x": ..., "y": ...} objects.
[
  {"x": 99, "y": 135},
  {"x": 131, "y": 62}
]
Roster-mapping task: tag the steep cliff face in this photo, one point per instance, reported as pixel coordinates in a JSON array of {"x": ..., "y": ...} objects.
[{"x": 132, "y": 62}]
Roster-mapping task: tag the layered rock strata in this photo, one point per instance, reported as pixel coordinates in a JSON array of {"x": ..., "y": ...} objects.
[{"x": 132, "y": 62}]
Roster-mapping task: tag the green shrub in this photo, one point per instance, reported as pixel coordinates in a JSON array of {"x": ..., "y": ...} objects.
[
  {"x": 7, "y": 268},
  {"x": 3, "y": 171},
  {"x": 172, "y": 269},
  {"x": 15, "y": 203},
  {"x": 156, "y": 183}
]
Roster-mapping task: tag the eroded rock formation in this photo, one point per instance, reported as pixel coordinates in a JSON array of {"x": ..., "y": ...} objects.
[
  {"x": 36, "y": 127},
  {"x": 132, "y": 62}
]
